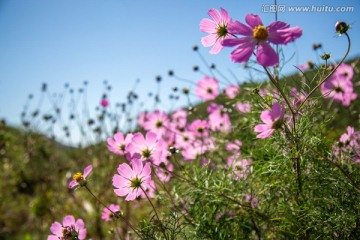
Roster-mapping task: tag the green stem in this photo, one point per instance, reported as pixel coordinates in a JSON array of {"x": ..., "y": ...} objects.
[
  {"x": 327, "y": 77},
  {"x": 117, "y": 215},
  {"x": 156, "y": 214}
]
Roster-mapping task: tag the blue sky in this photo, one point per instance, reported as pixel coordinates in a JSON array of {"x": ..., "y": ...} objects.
[{"x": 67, "y": 41}]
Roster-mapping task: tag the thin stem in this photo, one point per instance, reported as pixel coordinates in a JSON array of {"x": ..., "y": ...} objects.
[
  {"x": 156, "y": 214},
  {"x": 128, "y": 223},
  {"x": 117, "y": 230},
  {"x": 327, "y": 77},
  {"x": 274, "y": 81},
  {"x": 193, "y": 183}
]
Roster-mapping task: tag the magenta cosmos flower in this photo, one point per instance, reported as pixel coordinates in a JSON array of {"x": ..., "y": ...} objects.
[
  {"x": 272, "y": 120},
  {"x": 130, "y": 182},
  {"x": 258, "y": 36},
  {"x": 69, "y": 229},
  {"x": 119, "y": 143},
  {"x": 217, "y": 28},
  {"x": 79, "y": 179},
  {"x": 339, "y": 88},
  {"x": 108, "y": 215},
  {"x": 208, "y": 88}
]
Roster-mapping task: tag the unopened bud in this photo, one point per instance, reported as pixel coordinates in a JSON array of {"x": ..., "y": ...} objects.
[{"x": 341, "y": 27}]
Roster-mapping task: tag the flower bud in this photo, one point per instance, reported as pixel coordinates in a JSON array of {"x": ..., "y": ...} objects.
[
  {"x": 326, "y": 56},
  {"x": 341, "y": 27}
]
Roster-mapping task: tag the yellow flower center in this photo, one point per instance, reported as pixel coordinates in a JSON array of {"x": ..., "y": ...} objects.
[
  {"x": 78, "y": 177},
  {"x": 260, "y": 33}
]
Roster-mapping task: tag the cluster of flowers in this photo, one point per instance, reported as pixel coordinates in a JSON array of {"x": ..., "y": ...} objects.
[
  {"x": 165, "y": 134},
  {"x": 349, "y": 143},
  {"x": 339, "y": 86}
]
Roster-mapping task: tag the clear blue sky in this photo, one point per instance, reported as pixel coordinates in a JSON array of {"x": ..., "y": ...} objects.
[{"x": 59, "y": 41}]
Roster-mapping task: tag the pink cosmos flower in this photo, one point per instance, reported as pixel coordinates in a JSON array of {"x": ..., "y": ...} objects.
[
  {"x": 273, "y": 120},
  {"x": 179, "y": 118},
  {"x": 241, "y": 168},
  {"x": 346, "y": 138},
  {"x": 107, "y": 215},
  {"x": 130, "y": 182},
  {"x": 234, "y": 146},
  {"x": 157, "y": 122},
  {"x": 258, "y": 36},
  {"x": 214, "y": 107},
  {"x": 243, "y": 107},
  {"x": 208, "y": 88},
  {"x": 118, "y": 144},
  {"x": 69, "y": 229},
  {"x": 184, "y": 139},
  {"x": 192, "y": 151},
  {"x": 163, "y": 172},
  {"x": 220, "y": 122},
  {"x": 349, "y": 143},
  {"x": 232, "y": 91},
  {"x": 79, "y": 179},
  {"x": 339, "y": 88},
  {"x": 217, "y": 28},
  {"x": 200, "y": 128},
  {"x": 104, "y": 102},
  {"x": 345, "y": 70},
  {"x": 144, "y": 147}
]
